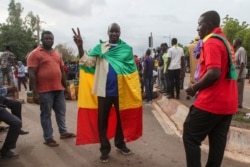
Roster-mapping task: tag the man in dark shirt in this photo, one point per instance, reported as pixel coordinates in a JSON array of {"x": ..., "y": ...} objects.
[{"x": 148, "y": 67}]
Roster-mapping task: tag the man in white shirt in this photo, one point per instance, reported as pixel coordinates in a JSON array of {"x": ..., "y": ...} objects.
[{"x": 174, "y": 66}]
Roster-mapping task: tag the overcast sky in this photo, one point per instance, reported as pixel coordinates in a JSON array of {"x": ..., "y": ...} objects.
[{"x": 138, "y": 18}]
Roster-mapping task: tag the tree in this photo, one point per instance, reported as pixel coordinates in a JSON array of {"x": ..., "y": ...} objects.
[
  {"x": 31, "y": 21},
  {"x": 15, "y": 10},
  {"x": 15, "y": 33},
  {"x": 234, "y": 29},
  {"x": 66, "y": 52}
]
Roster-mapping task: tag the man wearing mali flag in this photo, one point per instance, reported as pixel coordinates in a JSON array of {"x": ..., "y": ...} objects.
[{"x": 109, "y": 98}]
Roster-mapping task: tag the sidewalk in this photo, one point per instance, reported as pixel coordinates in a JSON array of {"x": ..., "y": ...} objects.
[{"x": 238, "y": 143}]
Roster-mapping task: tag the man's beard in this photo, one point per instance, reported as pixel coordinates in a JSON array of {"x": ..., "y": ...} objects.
[{"x": 47, "y": 47}]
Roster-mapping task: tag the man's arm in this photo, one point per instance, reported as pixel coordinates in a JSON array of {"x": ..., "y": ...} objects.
[
  {"x": 78, "y": 41},
  {"x": 168, "y": 64},
  {"x": 64, "y": 78},
  {"x": 84, "y": 59},
  {"x": 33, "y": 78},
  {"x": 240, "y": 71},
  {"x": 211, "y": 76}
]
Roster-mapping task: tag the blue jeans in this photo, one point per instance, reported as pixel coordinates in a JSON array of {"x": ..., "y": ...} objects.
[
  {"x": 52, "y": 100},
  {"x": 8, "y": 74},
  {"x": 149, "y": 88},
  {"x": 14, "y": 127}
]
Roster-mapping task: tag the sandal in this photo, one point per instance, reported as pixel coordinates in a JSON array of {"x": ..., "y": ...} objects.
[
  {"x": 67, "y": 135},
  {"x": 51, "y": 143}
]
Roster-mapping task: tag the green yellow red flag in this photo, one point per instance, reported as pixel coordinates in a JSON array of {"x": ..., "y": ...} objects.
[{"x": 130, "y": 99}]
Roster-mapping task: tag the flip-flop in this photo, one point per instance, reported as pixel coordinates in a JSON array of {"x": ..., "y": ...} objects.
[{"x": 67, "y": 135}]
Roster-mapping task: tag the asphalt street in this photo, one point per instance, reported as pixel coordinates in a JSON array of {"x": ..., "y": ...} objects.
[{"x": 158, "y": 147}]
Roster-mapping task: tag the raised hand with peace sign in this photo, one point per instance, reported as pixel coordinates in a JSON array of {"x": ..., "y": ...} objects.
[{"x": 78, "y": 41}]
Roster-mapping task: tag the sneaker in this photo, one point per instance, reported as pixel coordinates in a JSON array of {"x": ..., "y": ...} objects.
[
  {"x": 9, "y": 153},
  {"x": 124, "y": 150},
  {"x": 104, "y": 158}
]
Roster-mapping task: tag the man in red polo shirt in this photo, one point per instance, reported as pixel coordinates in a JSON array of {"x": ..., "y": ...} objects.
[
  {"x": 216, "y": 95},
  {"x": 48, "y": 81}
]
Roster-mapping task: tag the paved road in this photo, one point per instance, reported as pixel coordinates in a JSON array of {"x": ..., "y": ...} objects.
[{"x": 159, "y": 146}]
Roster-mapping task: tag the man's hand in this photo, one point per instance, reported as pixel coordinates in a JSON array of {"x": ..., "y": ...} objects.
[
  {"x": 191, "y": 91},
  {"x": 77, "y": 37},
  {"x": 36, "y": 98}
]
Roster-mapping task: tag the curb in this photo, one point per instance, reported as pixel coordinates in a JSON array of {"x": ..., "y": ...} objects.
[{"x": 238, "y": 141}]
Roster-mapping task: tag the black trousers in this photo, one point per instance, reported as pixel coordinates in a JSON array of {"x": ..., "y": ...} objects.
[
  {"x": 13, "y": 120},
  {"x": 167, "y": 82},
  {"x": 23, "y": 81},
  {"x": 104, "y": 106},
  {"x": 197, "y": 126},
  {"x": 174, "y": 80}
]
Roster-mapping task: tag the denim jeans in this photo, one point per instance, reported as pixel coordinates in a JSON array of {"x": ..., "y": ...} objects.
[
  {"x": 8, "y": 75},
  {"x": 149, "y": 88},
  {"x": 52, "y": 100},
  {"x": 14, "y": 105},
  {"x": 13, "y": 119},
  {"x": 14, "y": 127}
]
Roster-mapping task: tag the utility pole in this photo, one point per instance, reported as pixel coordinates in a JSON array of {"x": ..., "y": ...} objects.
[{"x": 150, "y": 41}]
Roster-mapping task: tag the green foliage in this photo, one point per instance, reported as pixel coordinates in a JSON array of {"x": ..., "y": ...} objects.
[
  {"x": 19, "y": 39},
  {"x": 241, "y": 118},
  {"x": 22, "y": 34},
  {"x": 16, "y": 33},
  {"x": 66, "y": 52},
  {"x": 234, "y": 29},
  {"x": 15, "y": 10},
  {"x": 31, "y": 22},
  {"x": 186, "y": 52}
]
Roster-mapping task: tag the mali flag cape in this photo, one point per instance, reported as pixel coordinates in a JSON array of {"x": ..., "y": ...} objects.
[
  {"x": 231, "y": 73},
  {"x": 130, "y": 100}
]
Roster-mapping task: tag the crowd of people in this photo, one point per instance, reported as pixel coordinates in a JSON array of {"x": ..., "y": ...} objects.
[
  {"x": 164, "y": 67},
  {"x": 117, "y": 76}
]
